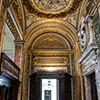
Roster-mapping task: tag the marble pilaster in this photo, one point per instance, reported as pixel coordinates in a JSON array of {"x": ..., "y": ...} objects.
[
  {"x": 19, "y": 48},
  {"x": 87, "y": 88},
  {"x": 19, "y": 45},
  {"x": 97, "y": 70}
]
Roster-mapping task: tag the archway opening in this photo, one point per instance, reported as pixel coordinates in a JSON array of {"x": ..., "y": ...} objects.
[{"x": 50, "y": 86}]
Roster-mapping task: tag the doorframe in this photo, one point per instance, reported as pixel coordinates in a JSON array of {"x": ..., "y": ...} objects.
[{"x": 61, "y": 76}]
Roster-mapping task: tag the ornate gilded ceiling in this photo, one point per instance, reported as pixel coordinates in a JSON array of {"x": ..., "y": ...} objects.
[
  {"x": 51, "y": 35},
  {"x": 51, "y": 8},
  {"x": 51, "y": 31},
  {"x": 50, "y": 41}
]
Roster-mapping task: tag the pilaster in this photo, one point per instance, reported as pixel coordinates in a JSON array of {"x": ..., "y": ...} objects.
[
  {"x": 87, "y": 88},
  {"x": 79, "y": 91},
  {"x": 97, "y": 70},
  {"x": 19, "y": 45},
  {"x": 19, "y": 55}
]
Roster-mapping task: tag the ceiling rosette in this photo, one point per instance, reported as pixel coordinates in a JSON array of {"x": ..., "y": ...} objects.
[{"x": 51, "y": 8}]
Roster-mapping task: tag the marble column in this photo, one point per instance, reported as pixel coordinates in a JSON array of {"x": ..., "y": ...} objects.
[
  {"x": 97, "y": 70},
  {"x": 2, "y": 23},
  {"x": 19, "y": 54},
  {"x": 98, "y": 57},
  {"x": 87, "y": 88}
]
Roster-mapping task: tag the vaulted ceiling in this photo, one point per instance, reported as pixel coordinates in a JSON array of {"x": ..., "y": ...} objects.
[
  {"x": 32, "y": 14},
  {"x": 48, "y": 27},
  {"x": 38, "y": 17}
]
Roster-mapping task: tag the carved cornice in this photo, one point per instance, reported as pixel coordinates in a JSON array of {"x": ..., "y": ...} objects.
[
  {"x": 87, "y": 51},
  {"x": 17, "y": 11},
  {"x": 50, "y": 66},
  {"x": 12, "y": 26},
  {"x": 15, "y": 5},
  {"x": 52, "y": 52},
  {"x": 45, "y": 69},
  {"x": 70, "y": 9}
]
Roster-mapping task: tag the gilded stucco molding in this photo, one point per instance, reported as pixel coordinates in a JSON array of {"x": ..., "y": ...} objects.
[
  {"x": 58, "y": 21},
  {"x": 13, "y": 21},
  {"x": 45, "y": 69},
  {"x": 70, "y": 8},
  {"x": 71, "y": 18},
  {"x": 12, "y": 27},
  {"x": 51, "y": 6},
  {"x": 50, "y": 40},
  {"x": 54, "y": 61},
  {"x": 40, "y": 24},
  {"x": 15, "y": 8},
  {"x": 19, "y": 12},
  {"x": 51, "y": 53},
  {"x": 41, "y": 31},
  {"x": 39, "y": 28}
]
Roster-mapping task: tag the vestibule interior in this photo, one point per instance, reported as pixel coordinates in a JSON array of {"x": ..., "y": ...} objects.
[
  {"x": 52, "y": 41},
  {"x": 52, "y": 52},
  {"x": 51, "y": 58}
]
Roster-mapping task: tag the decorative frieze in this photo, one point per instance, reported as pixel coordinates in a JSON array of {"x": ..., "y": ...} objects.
[
  {"x": 12, "y": 26},
  {"x": 43, "y": 63}
]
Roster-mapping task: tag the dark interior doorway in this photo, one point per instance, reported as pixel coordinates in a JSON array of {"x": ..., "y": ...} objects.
[
  {"x": 93, "y": 86},
  {"x": 8, "y": 88},
  {"x": 63, "y": 86},
  {"x": 49, "y": 89}
]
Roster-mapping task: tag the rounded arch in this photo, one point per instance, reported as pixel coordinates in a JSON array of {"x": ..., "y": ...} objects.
[
  {"x": 60, "y": 27},
  {"x": 51, "y": 40}
]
